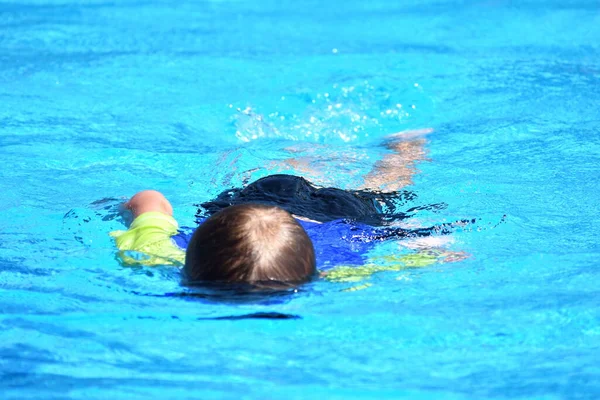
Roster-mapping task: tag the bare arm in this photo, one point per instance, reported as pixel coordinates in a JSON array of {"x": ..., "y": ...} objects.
[
  {"x": 147, "y": 201},
  {"x": 396, "y": 169}
]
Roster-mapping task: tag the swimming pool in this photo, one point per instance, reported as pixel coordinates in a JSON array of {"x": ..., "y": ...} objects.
[{"x": 101, "y": 99}]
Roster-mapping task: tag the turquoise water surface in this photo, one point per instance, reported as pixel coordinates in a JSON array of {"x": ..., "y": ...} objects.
[{"x": 100, "y": 99}]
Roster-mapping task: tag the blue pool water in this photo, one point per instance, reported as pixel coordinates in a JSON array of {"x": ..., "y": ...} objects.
[{"x": 100, "y": 99}]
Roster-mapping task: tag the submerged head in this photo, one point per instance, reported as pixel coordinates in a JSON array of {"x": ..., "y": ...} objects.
[{"x": 250, "y": 243}]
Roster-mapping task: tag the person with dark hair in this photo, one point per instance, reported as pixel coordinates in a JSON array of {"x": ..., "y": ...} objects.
[
  {"x": 258, "y": 233},
  {"x": 343, "y": 224}
]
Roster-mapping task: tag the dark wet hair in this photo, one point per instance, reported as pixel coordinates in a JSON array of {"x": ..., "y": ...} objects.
[
  {"x": 250, "y": 243},
  {"x": 298, "y": 196}
]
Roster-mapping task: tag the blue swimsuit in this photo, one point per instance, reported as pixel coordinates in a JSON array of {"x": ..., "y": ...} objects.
[{"x": 336, "y": 242}]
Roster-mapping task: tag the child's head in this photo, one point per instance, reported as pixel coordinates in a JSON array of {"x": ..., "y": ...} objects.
[{"x": 250, "y": 243}]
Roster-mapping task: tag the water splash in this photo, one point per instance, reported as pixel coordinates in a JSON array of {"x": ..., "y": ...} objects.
[{"x": 344, "y": 113}]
